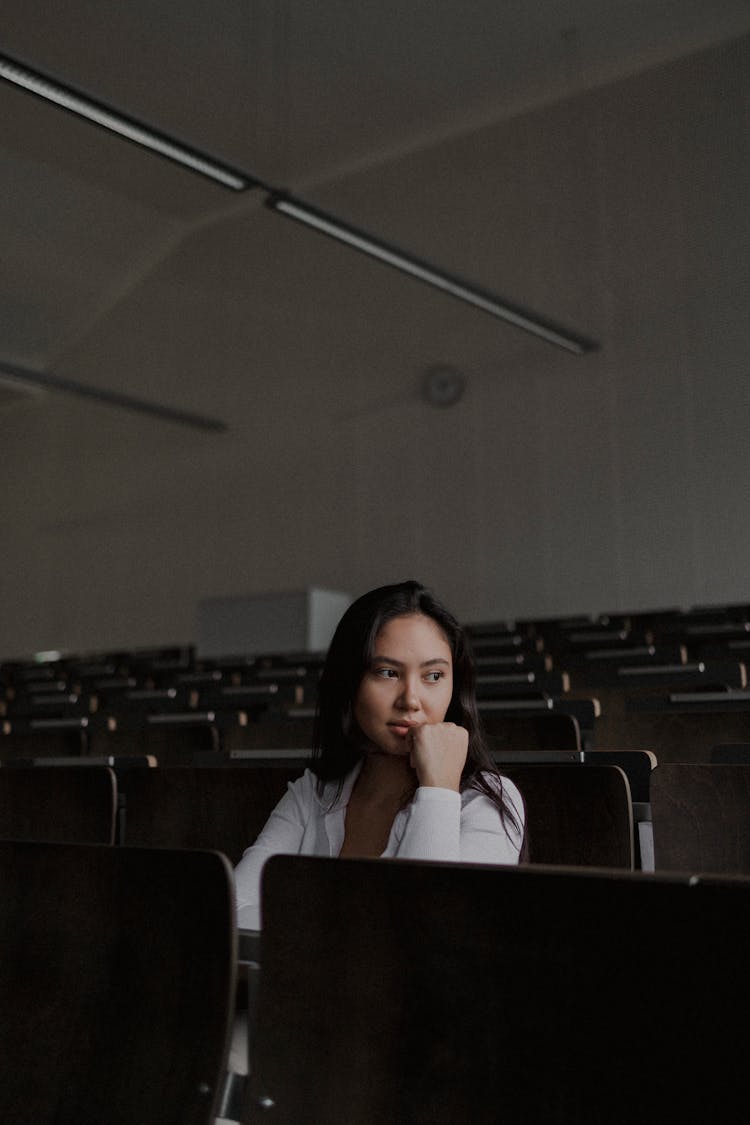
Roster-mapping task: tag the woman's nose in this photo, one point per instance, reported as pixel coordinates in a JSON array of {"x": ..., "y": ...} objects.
[{"x": 409, "y": 698}]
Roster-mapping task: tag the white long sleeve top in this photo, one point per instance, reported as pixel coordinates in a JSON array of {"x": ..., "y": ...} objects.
[{"x": 437, "y": 824}]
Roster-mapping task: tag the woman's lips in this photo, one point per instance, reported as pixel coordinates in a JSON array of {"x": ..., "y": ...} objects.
[{"x": 402, "y": 729}]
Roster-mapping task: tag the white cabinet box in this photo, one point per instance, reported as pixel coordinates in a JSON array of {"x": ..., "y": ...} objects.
[{"x": 293, "y": 621}]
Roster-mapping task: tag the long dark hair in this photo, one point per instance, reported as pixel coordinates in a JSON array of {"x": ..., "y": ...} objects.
[{"x": 337, "y": 740}]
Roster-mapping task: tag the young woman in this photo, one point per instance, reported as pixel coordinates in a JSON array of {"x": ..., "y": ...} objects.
[{"x": 400, "y": 767}]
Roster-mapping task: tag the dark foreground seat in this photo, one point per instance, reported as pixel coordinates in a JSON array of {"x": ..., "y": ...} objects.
[
  {"x": 406, "y": 993},
  {"x": 220, "y": 808},
  {"x": 61, "y": 804},
  {"x": 117, "y": 979}
]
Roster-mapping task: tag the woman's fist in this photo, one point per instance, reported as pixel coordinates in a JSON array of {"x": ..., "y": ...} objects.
[{"x": 438, "y": 753}]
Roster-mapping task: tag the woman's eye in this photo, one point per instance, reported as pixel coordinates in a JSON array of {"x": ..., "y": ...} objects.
[
  {"x": 385, "y": 673},
  {"x": 433, "y": 677}
]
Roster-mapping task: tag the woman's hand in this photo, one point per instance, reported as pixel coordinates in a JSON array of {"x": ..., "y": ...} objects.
[{"x": 438, "y": 753}]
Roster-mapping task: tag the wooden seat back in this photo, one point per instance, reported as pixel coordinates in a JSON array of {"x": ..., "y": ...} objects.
[
  {"x": 636, "y": 764},
  {"x": 546, "y": 730},
  {"x": 411, "y": 993},
  {"x": 59, "y": 804},
  {"x": 701, "y": 817},
  {"x": 38, "y": 738},
  {"x": 170, "y": 737},
  {"x": 679, "y": 727},
  {"x": 292, "y": 730},
  {"x": 728, "y": 752},
  {"x": 223, "y": 808},
  {"x": 118, "y": 975},
  {"x": 576, "y": 815}
]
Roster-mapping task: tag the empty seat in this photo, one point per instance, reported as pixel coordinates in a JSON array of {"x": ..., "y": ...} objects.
[
  {"x": 636, "y": 764},
  {"x": 118, "y": 976},
  {"x": 405, "y": 993},
  {"x": 701, "y": 817},
  {"x": 576, "y": 815},
  {"x": 292, "y": 730},
  {"x": 681, "y": 726},
  {"x": 58, "y": 803},
  {"x": 544, "y": 730},
  {"x": 221, "y": 808},
  {"x": 170, "y": 737},
  {"x": 44, "y": 737}
]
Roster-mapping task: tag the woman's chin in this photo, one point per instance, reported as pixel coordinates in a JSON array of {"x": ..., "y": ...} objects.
[{"x": 393, "y": 748}]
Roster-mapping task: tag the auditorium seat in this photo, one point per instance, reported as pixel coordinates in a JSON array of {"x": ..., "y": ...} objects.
[
  {"x": 583, "y": 709},
  {"x": 637, "y": 766},
  {"x": 678, "y": 726},
  {"x": 512, "y": 661},
  {"x": 591, "y": 666},
  {"x": 221, "y": 808},
  {"x": 619, "y": 701},
  {"x": 701, "y": 817},
  {"x": 172, "y": 737},
  {"x": 44, "y": 737},
  {"x": 630, "y": 678},
  {"x": 521, "y": 684},
  {"x": 407, "y": 993},
  {"x": 117, "y": 972},
  {"x": 542, "y": 730},
  {"x": 576, "y": 815},
  {"x": 62, "y": 804},
  {"x": 292, "y": 730}
]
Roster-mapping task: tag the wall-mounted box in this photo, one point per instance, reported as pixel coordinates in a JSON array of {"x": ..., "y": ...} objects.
[{"x": 250, "y": 625}]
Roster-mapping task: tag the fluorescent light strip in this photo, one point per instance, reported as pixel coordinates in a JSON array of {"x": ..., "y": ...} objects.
[
  {"x": 110, "y": 398},
  {"x": 63, "y": 96},
  {"x": 68, "y": 99},
  {"x": 488, "y": 302}
]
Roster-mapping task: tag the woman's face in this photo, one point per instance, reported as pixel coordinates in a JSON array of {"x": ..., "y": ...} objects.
[{"x": 409, "y": 682}]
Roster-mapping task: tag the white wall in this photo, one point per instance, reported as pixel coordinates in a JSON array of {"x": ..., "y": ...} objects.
[{"x": 557, "y": 485}]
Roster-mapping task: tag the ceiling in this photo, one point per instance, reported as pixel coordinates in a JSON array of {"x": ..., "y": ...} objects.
[{"x": 314, "y": 98}]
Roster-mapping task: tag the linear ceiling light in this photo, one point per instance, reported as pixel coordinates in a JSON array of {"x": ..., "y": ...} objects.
[
  {"x": 35, "y": 378},
  {"x": 480, "y": 298},
  {"x": 82, "y": 105}
]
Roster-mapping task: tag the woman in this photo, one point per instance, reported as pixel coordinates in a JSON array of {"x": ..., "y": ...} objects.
[{"x": 400, "y": 767}]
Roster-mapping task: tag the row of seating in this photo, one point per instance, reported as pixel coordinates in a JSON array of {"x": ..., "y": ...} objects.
[
  {"x": 673, "y": 683},
  {"x": 708, "y": 634},
  {"x": 700, "y": 629},
  {"x": 447, "y": 993},
  {"x": 677, "y": 710},
  {"x": 163, "y": 702},
  {"x": 683, "y": 726},
  {"x": 676, "y": 725},
  {"x": 544, "y": 990},
  {"x": 135, "y": 802},
  {"x": 139, "y": 805},
  {"x": 173, "y": 736},
  {"x": 601, "y": 810}
]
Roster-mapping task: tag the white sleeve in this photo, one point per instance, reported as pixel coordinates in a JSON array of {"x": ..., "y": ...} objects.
[
  {"x": 449, "y": 826},
  {"x": 281, "y": 834}
]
